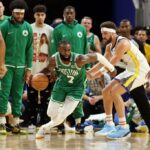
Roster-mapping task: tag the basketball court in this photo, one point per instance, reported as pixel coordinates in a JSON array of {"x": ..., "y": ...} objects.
[{"x": 138, "y": 141}]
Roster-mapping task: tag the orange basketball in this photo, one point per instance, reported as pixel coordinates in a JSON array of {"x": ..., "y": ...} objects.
[{"x": 39, "y": 81}]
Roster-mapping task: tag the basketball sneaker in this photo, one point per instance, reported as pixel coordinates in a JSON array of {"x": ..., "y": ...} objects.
[
  {"x": 41, "y": 133},
  {"x": 107, "y": 129},
  {"x": 120, "y": 133},
  {"x": 3, "y": 129}
]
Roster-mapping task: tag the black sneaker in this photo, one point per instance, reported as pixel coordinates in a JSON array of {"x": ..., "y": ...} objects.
[
  {"x": 3, "y": 129},
  {"x": 15, "y": 129},
  {"x": 61, "y": 129},
  {"x": 79, "y": 129}
]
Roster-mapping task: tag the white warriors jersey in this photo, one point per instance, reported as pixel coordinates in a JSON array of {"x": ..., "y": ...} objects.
[
  {"x": 133, "y": 59},
  {"x": 135, "y": 64}
]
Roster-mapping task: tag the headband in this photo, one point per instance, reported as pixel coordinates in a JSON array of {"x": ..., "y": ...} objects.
[
  {"x": 19, "y": 10},
  {"x": 104, "y": 29}
]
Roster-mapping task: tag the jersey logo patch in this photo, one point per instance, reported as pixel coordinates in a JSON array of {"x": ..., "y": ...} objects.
[
  {"x": 25, "y": 33},
  {"x": 79, "y": 34}
]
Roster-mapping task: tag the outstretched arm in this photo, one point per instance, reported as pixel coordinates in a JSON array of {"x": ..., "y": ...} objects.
[{"x": 94, "y": 57}]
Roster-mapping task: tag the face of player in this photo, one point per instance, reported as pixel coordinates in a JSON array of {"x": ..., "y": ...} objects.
[
  {"x": 142, "y": 36},
  {"x": 125, "y": 28},
  {"x": 18, "y": 16},
  {"x": 65, "y": 52},
  {"x": 107, "y": 37},
  {"x": 69, "y": 15},
  {"x": 40, "y": 17},
  {"x": 87, "y": 23}
]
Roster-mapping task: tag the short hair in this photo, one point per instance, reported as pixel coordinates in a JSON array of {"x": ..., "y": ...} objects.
[
  {"x": 63, "y": 42},
  {"x": 87, "y": 17},
  {"x": 39, "y": 8},
  {"x": 125, "y": 20},
  {"x": 20, "y": 4},
  {"x": 69, "y": 7},
  {"x": 108, "y": 24}
]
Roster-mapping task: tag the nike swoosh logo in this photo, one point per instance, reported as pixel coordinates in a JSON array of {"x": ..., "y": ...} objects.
[{"x": 10, "y": 32}]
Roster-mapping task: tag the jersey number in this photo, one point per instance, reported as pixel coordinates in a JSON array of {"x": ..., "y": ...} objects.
[{"x": 71, "y": 78}]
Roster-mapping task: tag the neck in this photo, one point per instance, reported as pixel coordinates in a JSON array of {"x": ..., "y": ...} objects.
[
  {"x": 88, "y": 33},
  {"x": 69, "y": 22},
  {"x": 39, "y": 25},
  {"x": 114, "y": 39},
  {"x": 1, "y": 17}
]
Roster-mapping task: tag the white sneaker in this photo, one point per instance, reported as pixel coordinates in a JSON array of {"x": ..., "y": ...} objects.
[
  {"x": 41, "y": 133},
  {"x": 142, "y": 129},
  {"x": 31, "y": 129},
  {"x": 88, "y": 129},
  {"x": 69, "y": 129}
]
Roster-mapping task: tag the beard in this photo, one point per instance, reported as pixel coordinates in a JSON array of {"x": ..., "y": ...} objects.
[
  {"x": 64, "y": 58},
  {"x": 107, "y": 41}
]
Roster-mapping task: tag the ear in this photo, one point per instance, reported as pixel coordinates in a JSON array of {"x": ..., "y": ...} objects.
[{"x": 34, "y": 15}]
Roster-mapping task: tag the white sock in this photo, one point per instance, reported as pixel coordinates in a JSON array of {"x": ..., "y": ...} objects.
[
  {"x": 2, "y": 120},
  {"x": 15, "y": 120},
  {"x": 122, "y": 122},
  {"x": 78, "y": 120},
  {"x": 109, "y": 120}
]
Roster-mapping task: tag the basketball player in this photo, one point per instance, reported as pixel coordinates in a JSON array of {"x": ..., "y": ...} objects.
[
  {"x": 18, "y": 38},
  {"x": 120, "y": 49},
  {"x": 69, "y": 86},
  {"x": 92, "y": 39}
]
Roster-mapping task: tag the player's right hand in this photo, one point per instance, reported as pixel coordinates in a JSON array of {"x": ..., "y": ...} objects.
[{"x": 3, "y": 71}]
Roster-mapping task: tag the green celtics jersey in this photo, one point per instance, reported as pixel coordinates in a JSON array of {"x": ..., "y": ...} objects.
[
  {"x": 90, "y": 41},
  {"x": 69, "y": 75}
]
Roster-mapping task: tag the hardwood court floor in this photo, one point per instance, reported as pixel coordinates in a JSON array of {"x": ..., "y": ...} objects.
[{"x": 137, "y": 141}]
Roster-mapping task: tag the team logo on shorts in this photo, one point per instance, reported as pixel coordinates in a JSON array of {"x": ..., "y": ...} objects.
[
  {"x": 25, "y": 33},
  {"x": 79, "y": 34}
]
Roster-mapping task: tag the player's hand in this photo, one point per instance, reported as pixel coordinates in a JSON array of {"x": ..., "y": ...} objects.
[
  {"x": 113, "y": 74},
  {"x": 80, "y": 61},
  {"x": 89, "y": 76},
  {"x": 3, "y": 71},
  {"x": 27, "y": 76}
]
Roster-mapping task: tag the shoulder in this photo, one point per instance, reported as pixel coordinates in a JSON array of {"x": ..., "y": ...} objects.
[
  {"x": 61, "y": 25},
  {"x": 28, "y": 25},
  {"x": 54, "y": 55},
  {"x": 32, "y": 24},
  {"x": 80, "y": 26},
  {"x": 123, "y": 42},
  {"x": 5, "y": 24},
  {"x": 49, "y": 27}
]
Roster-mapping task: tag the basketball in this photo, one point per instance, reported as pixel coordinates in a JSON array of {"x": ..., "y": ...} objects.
[{"x": 39, "y": 81}]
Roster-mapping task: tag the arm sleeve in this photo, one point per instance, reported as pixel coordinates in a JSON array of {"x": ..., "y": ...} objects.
[
  {"x": 4, "y": 29},
  {"x": 29, "y": 49},
  {"x": 85, "y": 42},
  {"x": 54, "y": 42}
]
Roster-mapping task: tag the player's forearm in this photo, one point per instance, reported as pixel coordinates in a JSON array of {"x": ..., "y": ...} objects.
[
  {"x": 2, "y": 51},
  {"x": 105, "y": 62}
]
